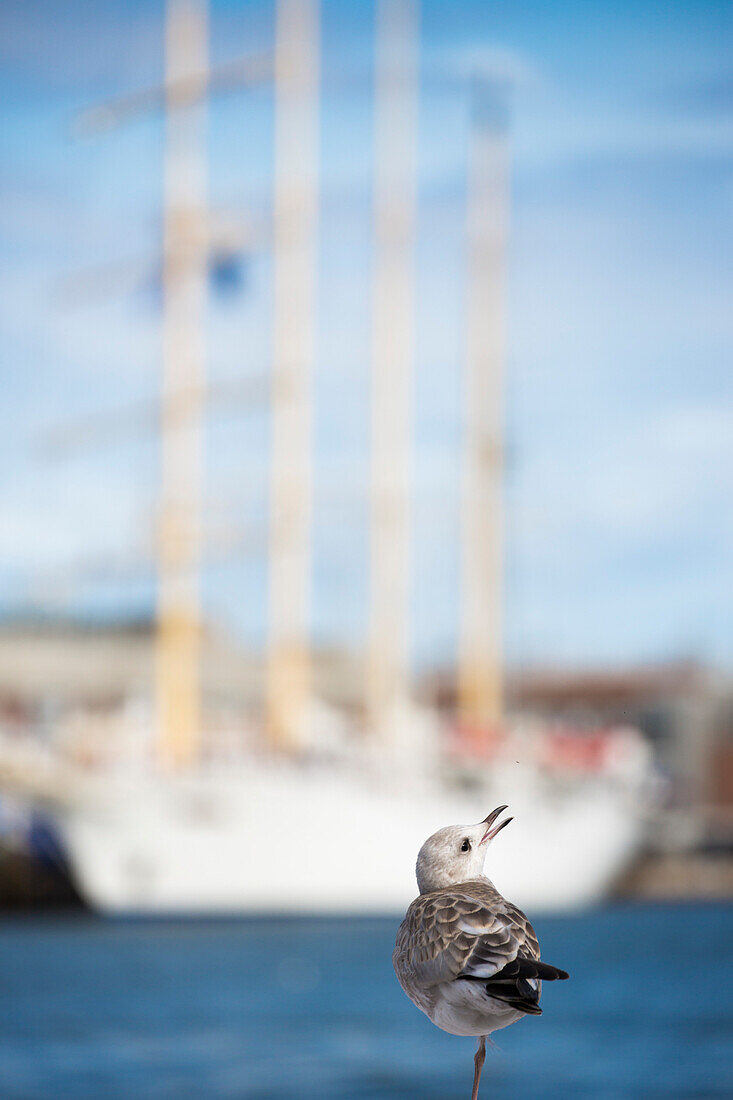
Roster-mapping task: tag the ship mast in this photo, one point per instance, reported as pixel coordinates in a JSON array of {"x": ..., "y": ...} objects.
[
  {"x": 393, "y": 351},
  {"x": 295, "y": 259},
  {"x": 178, "y": 684},
  {"x": 480, "y": 655}
]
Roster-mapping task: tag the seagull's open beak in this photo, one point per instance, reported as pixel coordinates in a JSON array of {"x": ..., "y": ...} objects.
[{"x": 489, "y": 821}]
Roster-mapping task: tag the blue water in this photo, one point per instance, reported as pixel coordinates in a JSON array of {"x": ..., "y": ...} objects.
[{"x": 306, "y": 1009}]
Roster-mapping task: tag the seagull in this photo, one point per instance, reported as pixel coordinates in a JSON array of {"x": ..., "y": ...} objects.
[{"x": 466, "y": 956}]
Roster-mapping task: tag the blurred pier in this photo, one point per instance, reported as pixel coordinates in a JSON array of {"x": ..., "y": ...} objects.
[{"x": 85, "y": 688}]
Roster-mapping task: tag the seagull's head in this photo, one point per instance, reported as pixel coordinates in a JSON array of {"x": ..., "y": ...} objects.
[{"x": 457, "y": 853}]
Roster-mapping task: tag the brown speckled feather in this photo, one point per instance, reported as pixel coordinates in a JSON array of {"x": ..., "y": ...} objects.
[{"x": 468, "y": 930}]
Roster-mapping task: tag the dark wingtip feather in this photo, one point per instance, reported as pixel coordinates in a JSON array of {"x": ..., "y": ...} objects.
[{"x": 550, "y": 973}]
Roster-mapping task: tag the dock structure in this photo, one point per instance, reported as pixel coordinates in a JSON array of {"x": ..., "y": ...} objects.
[
  {"x": 480, "y": 643},
  {"x": 288, "y": 690},
  {"x": 185, "y": 262},
  {"x": 393, "y": 353}
]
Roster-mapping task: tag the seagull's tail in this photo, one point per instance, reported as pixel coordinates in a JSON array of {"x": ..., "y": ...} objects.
[{"x": 518, "y": 983}]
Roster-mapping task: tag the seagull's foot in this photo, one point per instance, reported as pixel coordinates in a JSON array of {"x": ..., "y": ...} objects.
[{"x": 478, "y": 1060}]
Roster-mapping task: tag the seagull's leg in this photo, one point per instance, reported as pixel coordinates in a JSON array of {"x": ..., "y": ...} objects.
[{"x": 478, "y": 1061}]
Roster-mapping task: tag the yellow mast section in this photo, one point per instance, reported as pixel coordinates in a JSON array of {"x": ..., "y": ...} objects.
[
  {"x": 297, "y": 39},
  {"x": 184, "y": 295},
  {"x": 480, "y": 657},
  {"x": 393, "y": 352}
]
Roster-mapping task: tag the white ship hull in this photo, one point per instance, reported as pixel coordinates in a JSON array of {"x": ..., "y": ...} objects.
[{"x": 276, "y": 839}]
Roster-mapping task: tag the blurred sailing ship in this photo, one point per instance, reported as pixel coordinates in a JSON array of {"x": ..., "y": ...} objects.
[{"x": 165, "y": 804}]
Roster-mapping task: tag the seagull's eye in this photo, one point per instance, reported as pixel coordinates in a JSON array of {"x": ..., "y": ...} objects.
[{"x": 466, "y": 846}]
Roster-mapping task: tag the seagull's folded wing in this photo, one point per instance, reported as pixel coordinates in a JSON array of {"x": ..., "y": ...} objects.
[{"x": 455, "y": 933}]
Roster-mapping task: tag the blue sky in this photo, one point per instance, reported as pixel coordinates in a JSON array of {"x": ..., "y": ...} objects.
[{"x": 619, "y": 412}]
